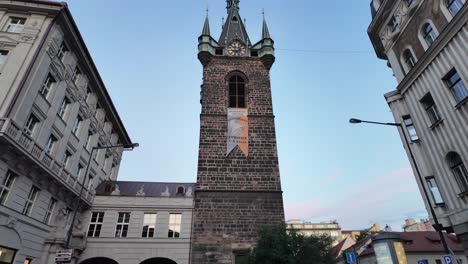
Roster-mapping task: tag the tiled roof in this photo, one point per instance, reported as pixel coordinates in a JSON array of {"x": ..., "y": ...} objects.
[{"x": 150, "y": 189}]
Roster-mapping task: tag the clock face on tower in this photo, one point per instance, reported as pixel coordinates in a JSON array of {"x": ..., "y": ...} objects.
[{"x": 236, "y": 49}]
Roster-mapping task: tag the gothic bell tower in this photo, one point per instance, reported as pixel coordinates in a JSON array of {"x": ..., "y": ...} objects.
[{"x": 238, "y": 182}]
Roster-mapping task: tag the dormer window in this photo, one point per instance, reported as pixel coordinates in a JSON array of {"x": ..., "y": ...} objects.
[
  {"x": 454, "y": 6},
  {"x": 234, "y": 19},
  {"x": 429, "y": 34},
  {"x": 180, "y": 191},
  {"x": 236, "y": 92}
]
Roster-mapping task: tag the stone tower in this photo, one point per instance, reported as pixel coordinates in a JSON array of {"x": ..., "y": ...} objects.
[{"x": 238, "y": 185}]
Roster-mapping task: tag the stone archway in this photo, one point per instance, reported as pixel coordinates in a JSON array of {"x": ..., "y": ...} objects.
[
  {"x": 99, "y": 260},
  {"x": 158, "y": 261}
]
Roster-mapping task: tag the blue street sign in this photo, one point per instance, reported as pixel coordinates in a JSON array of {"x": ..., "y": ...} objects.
[
  {"x": 448, "y": 260},
  {"x": 351, "y": 258},
  {"x": 423, "y": 261}
]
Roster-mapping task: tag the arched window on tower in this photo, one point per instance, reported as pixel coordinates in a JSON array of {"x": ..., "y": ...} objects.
[
  {"x": 454, "y": 6},
  {"x": 459, "y": 170},
  {"x": 236, "y": 92},
  {"x": 409, "y": 59},
  {"x": 429, "y": 34}
]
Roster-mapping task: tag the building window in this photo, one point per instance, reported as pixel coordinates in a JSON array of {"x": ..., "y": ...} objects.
[
  {"x": 16, "y": 24},
  {"x": 50, "y": 210},
  {"x": 47, "y": 85},
  {"x": 431, "y": 182},
  {"x": 454, "y": 6},
  {"x": 76, "y": 73},
  {"x": 438, "y": 261},
  {"x": 30, "y": 201},
  {"x": 7, "y": 255},
  {"x": 394, "y": 23},
  {"x": 90, "y": 182},
  {"x": 62, "y": 51},
  {"x": 409, "y": 59},
  {"x": 66, "y": 158},
  {"x": 63, "y": 107},
  {"x": 3, "y": 56},
  {"x": 180, "y": 191},
  {"x": 88, "y": 140},
  {"x": 31, "y": 124},
  {"x": 6, "y": 186},
  {"x": 95, "y": 225},
  {"x": 236, "y": 92},
  {"x": 79, "y": 171},
  {"x": 149, "y": 225},
  {"x": 456, "y": 85},
  {"x": 76, "y": 125},
  {"x": 174, "y": 225},
  {"x": 409, "y": 2},
  {"x": 410, "y": 128},
  {"x": 27, "y": 261},
  {"x": 429, "y": 34},
  {"x": 122, "y": 225},
  {"x": 459, "y": 170},
  {"x": 431, "y": 109},
  {"x": 49, "y": 147}
]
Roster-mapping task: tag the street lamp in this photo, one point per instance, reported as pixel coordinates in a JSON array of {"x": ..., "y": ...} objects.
[
  {"x": 126, "y": 147},
  {"x": 437, "y": 225}
]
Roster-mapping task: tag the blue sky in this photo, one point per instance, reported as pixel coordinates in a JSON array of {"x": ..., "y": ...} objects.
[{"x": 146, "y": 52}]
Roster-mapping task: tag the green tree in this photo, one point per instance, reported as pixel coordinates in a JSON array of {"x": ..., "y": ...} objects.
[{"x": 277, "y": 245}]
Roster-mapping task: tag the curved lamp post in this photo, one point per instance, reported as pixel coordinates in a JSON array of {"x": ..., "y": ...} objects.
[
  {"x": 437, "y": 225},
  {"x": 126, "y": 147}
]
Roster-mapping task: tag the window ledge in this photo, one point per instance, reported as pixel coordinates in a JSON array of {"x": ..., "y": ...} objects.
[
  {"x": 416, "y": 141},
  {"x": 463, "y": 194},
  {"x": 441, "y": 205},
  {"x": 436, "y": 124},
  {"x": 461, "y": 103}
]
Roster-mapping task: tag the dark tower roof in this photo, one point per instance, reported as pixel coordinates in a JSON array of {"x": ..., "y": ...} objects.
[
  {"x": 234, "y": 28},
  {"x": 206, "y": 27},
  {"x": 265, "y": 31}
]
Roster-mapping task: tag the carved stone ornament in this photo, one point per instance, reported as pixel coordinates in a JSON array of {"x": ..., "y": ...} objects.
[
  {"x": 189, "y": 192},
  {"x": 141, "y": 191},
  {"x": 12, "y": 222},
  {"x": 116, "y": 190},
  {"x": 28, "y": 38}
]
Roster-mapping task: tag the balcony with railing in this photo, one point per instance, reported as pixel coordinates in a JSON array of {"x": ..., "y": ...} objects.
[{"x": 21, "y": 141}]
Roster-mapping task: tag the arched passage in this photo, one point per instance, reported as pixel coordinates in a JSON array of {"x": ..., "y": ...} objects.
[
  {"x": 158, "y": 261},
  {"x": 99, "y": 261}
]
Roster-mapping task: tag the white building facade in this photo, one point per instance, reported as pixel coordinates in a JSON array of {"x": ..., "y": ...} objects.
[
  {"x": 54, "y": 109},
  {"x": 426, "y": 44}
]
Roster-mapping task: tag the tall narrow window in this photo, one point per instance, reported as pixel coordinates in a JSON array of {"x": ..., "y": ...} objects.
[
  {"x": 16, "y": 24},
  {"x": 31, "y": 124},
  {"x": 90, "y": 182},
  {"x": 63, "y": 107},
  {"x": 49, "y": 147},
  {"x": 66, "y": 158},
  {"x": 456, "y": 85},
  {"x": 431, "y": 109},
  {"x": 122, "y": 225},
  {"x": 76, "y": 125},
  {"x": 6, "y": 186},
  {"x": 50, "y": 210},
  {"x": 30, "y": 201},
  {"x": 149, "y": 225},
  {"x": 459, "y": 170},
  {"x": 431, "y": 182},
  {"x": 90, "y": 137},
  {"x": 95, "y": 225},
  {"x": 174, "y": 225},
  {"x": 3, "y": 57},
  {"x": 236, "y": 92},
  {"x": 429, "y": 34},
  {"x": 410, "y": 128},
  {"x": 79, "y": 171},
  {"x": 47, "y": 85},
  {"x": 63, "y": 49},
  {"x": 409, "y": 59},
  {"x": 454, "y": 6},
  {"x": 394, "y": 23},
  {"x": 8, "y": 255},
  {"x": 76, "y": 73}
]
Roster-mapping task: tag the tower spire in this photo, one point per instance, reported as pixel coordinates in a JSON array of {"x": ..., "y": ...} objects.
[
  {"x": 234, "y": 28},
  {"x": 206, "y": 27},
  {"x": 265, "y": 31}
]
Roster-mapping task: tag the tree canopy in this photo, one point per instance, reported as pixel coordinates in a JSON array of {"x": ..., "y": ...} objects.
[{"x": 277, "y": 245}]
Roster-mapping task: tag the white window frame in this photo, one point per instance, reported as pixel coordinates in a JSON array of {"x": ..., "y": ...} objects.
[
  {"x": 449, "y": 4},
  {"x": 435, "y": 191},
  {"x": 15, "y": 27},
  {"x": 95, "y": 224},
  {"x": 7, "y": 185},
  {"x": 31, "y": 200},
  {"x": 175, "y": 225},
  {"x": 76, "y": 73},
  {"x": 77, "y": 125},
  {"x": 67, "y": 155},
  {"x": 47, "y": 85},
  {"x": 459, "y": 86},
  {"x": 31, "y": 124},
  {"x": 62, "y": 51},
  {"x": 122, "y": 224},
  {"x": 422, "y": 34},
  {"x": 410, "y": 127},
  {"x": 50, "y": 145},
  {"x": 149, "y": 222},
  {"x": 3, "y": 57},
  {"x": 431, "y": 109},
  {"x": 461, "y": 175},
  {"x": 50, "y": 210},
  {"x": 64, "y": 107}
]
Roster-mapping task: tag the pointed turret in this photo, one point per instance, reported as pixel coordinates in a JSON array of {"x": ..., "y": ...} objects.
[
  {"x": 233, "y": 28},
  {"x": 206, "y": 27},
  {"x": 265, "y": 31}
]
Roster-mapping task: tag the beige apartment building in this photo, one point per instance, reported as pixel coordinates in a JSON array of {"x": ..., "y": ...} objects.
[
  {"x": 331, "y": 229},
  {"x": 54, "y": 109},
  {"x": 426, "y": 44}
]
